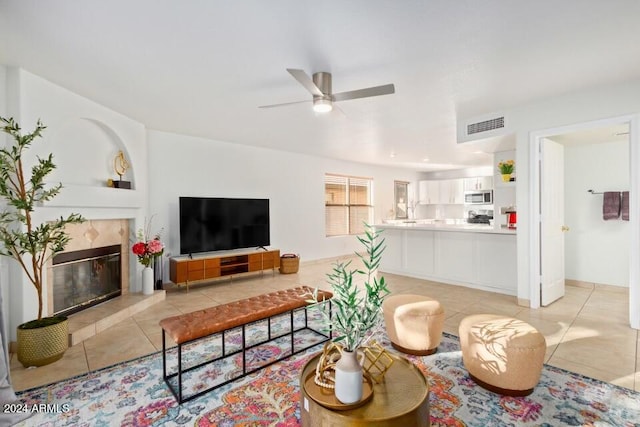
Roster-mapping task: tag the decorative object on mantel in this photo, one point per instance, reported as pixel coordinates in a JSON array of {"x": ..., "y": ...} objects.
[
  {"x": 120, "y": 166},
  {"x": 354, "y": 315},
  {"x": 506, "y": 169},
  {"x": 147, "y": 249},
  {"x": 44, "y": 340}
]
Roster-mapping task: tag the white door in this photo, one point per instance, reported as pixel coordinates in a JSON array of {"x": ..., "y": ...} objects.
[{"x": 552, "y": 226}]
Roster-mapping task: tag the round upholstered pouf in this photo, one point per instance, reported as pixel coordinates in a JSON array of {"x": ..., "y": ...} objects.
[
  {"x": 414, "y": 323},
  {"x": 502, "y": 354}
]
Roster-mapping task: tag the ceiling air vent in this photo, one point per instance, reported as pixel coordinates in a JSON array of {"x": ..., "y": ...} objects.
[{"x": 485, "y": 126}]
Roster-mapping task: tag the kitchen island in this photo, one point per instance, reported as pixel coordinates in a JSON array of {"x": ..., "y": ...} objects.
[{"x": 473, "y": 255}]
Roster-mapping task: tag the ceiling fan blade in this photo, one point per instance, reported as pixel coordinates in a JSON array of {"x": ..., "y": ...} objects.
[
  {"x": 283, "y": 104},
  {"x": 339, "y": 111},
  {"x": 364, "y": 93},
  {"x": 305, "y": 81}
]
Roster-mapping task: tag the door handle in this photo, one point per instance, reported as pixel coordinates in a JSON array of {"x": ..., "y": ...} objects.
[{"x": 564, "y": 228}]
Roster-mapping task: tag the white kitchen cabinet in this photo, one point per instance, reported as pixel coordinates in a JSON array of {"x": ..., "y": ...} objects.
[
  {"x": 496, "y": 263},
  {"x": 478, "y": 183},
  {"x": 441, "y": 192},
  {"x": 484, "y": 260},
  {"x": 454, "y": 258},
  {"x": 452, "y": 191},
  {"x": 420, "y": 252},
  {"x": 395, "y": 242},
  {"x": 429, "y": 192}
]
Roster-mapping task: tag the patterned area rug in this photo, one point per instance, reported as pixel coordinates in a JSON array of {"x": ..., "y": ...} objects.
[{"x": 134, "y": 394}]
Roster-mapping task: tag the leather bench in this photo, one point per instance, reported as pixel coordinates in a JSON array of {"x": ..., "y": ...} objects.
[{"x": 189, "y": 327}]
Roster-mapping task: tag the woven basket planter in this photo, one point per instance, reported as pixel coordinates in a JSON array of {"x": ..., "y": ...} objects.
[
  {"x": 43, "y": 345},
  {"x": 289, "y": 263}
]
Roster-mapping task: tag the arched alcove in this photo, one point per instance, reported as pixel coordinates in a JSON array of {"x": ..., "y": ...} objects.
[{"x": 84, "y": 151}]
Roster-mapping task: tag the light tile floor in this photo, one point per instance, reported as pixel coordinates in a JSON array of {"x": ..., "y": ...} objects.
[{"x": 586, "y": 331}]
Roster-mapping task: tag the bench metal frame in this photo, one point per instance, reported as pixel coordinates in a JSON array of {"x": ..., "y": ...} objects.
[{"x": 177, "y": 393}]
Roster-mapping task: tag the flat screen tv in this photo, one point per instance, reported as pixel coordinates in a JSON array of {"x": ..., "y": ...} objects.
[{"x": 215, "y": 224}]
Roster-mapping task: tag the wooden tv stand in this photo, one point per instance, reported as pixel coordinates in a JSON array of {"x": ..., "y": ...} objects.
[{"x": 204, "y": 267}]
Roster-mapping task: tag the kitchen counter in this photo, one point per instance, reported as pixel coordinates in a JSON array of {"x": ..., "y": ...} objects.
[
  {"x": 446, "y": 225},
  {"x": 473, "y": 255}
]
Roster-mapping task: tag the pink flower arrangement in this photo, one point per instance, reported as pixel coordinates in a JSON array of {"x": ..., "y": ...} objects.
[{"x": 147, "y": 248}]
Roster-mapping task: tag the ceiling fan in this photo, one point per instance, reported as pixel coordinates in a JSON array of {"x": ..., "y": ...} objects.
[{"x": 320, "y": 88}]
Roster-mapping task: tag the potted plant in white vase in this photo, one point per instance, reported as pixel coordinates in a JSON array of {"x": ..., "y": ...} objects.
[
  {"x": 45, "y": 339},
  {"x": 354, "y": 315}
]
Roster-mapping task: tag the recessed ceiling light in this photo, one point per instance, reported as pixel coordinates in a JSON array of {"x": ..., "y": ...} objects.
[
  {"x": 478, "y": 152},
  {"x": 392, "y": 155},
  {"x": 426, "y": 159}
]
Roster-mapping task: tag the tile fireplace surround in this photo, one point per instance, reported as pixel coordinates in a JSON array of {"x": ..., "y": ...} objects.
[{"x": 94, "y": 234}]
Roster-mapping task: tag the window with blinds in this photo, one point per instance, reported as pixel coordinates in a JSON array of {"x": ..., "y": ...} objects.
[{"x": 348, "y": 204}]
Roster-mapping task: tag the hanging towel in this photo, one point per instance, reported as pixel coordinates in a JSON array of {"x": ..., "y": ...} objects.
[
  {"x": 624, "y": 206},
  {"x": 611, "y": 205}
]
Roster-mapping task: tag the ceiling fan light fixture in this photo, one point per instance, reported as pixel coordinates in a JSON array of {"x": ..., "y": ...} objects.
[
  {"x": 319, "y": 86},
  {"x": 322, "y": 105}
]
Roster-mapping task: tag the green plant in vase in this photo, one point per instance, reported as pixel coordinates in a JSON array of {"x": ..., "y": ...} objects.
[
  {"x": 45, "y": 339},
  {"x": 355, "y": 312}
]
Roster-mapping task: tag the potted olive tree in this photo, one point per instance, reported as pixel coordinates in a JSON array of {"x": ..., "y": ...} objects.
[{"x": 45, "y": 339}]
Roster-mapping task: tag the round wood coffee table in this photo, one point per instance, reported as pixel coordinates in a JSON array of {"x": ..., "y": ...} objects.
[{"x": 401, "y": 399}]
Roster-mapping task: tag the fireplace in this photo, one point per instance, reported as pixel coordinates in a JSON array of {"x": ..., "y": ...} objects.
[{"x": 86, "y": 277}]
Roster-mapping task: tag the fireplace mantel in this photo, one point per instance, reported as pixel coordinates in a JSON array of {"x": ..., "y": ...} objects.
[{"x": 86, "y": 196}]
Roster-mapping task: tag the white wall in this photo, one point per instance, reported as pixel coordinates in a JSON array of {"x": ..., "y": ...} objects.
[
  {"x": 4, "y": 274},
  {"x": 457, "y": 173},
  {"x": 189, "y": 166},
  {"x": 504, "y": 193},
  {"x": 596, "y": 251},
  {"x": 565, "y": 110},
  {"x": 84, "y": 137}
]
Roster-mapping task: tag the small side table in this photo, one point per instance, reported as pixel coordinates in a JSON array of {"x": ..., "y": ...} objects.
[{"x": 402, "y": 399}]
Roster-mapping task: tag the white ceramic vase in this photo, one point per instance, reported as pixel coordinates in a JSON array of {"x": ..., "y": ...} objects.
[
  {"x": 348, "y": 378},
  {"x": 147, "y": 281}
]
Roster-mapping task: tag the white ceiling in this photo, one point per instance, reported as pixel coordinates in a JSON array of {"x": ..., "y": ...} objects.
[
  {"x": 613, "y": 133},
  {"x": 202, "y": 67}
]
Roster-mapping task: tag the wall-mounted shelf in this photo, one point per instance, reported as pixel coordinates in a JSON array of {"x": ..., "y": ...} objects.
[{"x": 88, "y": 196}]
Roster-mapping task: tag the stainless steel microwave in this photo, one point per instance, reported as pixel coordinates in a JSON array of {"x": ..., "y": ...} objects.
[{"x": 482, "y": 197}]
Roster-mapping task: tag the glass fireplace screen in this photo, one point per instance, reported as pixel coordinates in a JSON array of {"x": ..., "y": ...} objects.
[{"x": 85, "y": 278}]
